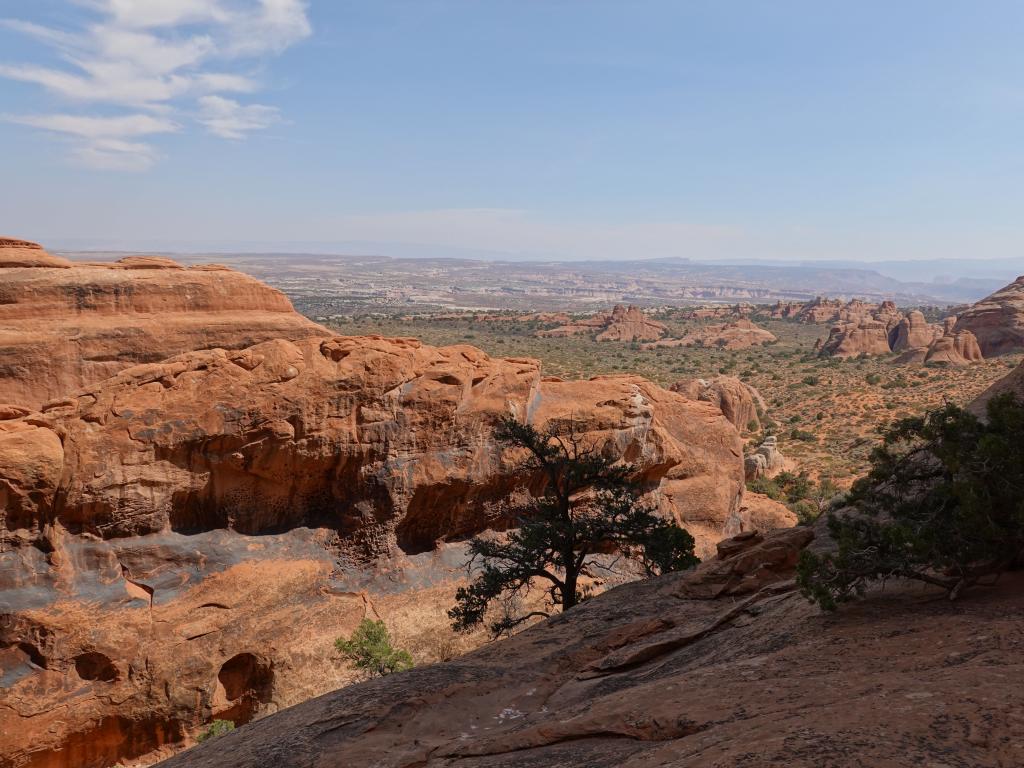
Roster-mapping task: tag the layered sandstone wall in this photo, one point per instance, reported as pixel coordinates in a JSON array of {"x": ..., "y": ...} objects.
[
  {"x": 65, "y": 325},
  {"x": 184, "y": 540}
]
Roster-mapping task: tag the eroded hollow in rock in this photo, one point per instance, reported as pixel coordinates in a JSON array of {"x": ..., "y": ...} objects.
[
  {"x": 94, "y": 665},
  {"x": 111, "y": 741},
  {"x": 248, "y": 683}
]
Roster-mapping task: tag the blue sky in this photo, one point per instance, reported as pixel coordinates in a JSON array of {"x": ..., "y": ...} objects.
[{"x": 570, "y": 128}]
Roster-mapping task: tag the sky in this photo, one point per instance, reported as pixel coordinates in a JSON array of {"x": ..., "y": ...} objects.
[{"x": 715, "y": 129}]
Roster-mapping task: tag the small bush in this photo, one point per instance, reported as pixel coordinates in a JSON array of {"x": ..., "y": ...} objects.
[
  {"x": 370, "y": 650},
  {"x": 215, "y": 729}
]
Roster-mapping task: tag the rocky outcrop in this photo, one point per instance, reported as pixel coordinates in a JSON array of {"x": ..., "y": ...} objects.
[
  {"x": 820, "y": 310},
  {"x": 867, "y": 337},
  {"x": 997, "y": 321},
  {"x": 387, "y": 439},
  {"x": 957, "y": 348},
  {"x": 785, "y": 310},
  {"x": 766, "y": 460},
  {"x": 725, "y": 666},
  {"x": 65, "y": 325},
  {"x": 621, "y": 324},
  {"x": 22, "y": 253},
  {"x": 765, "y": 514},
  {"x": 739, "y": 402},
  {"x": 740, "y": 334},
  {"x": 914, "y": 332},
  {"x": 184, "y": 540}
]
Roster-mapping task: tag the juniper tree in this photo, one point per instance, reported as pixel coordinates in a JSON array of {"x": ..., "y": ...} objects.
[
  {"x": 943, "y": 504},
  {"x": 590, "y": 505}
]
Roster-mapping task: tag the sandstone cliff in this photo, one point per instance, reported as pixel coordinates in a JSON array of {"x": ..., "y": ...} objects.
[
  {"x": 184, "y": 540},
  {"x": 997, "y": 321},
  {"x": 65, "y": 325}
]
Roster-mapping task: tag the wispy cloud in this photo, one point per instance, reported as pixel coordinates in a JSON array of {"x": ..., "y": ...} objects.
[
  {"x": 231, "y": 120},
  {"x": 156, "y": 57}
]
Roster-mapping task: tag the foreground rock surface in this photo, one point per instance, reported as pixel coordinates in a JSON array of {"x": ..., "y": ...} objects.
[
  {"x": 726, "y": 666},
  {"x": 65, "y": 325}
]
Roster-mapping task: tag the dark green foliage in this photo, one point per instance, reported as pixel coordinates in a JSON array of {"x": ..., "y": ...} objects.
[
  {"x": 370, "y": 649},
  {"x": 799, "y": 492},
  {"x": 943, "y": 504},
  {"x": 803, "y": 434},
  {"x": 215, "y": 729},
  {"x": 589, "y": 506}
]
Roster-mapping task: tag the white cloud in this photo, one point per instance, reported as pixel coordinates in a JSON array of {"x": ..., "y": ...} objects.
[
  {"x": 160, "y": 56},
  {"x": 231, "y": 120},
  {"x": 102, "y": 142},
  {"x": 277, "y": 25}
]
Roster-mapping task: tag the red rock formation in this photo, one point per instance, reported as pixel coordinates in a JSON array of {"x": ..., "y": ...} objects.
[
  {"x": 621, "y": 324},
  {"x": 65, "y": 325},
  {"x": 785, "y": 310},
  {"x": 958, "y": 348},
  {"x": 997, "y": 321},
  {"x": 740, "y": 334},
  {"x": 914, "y": 332},
  {"x": 740, "y": 403},
  {"x": 766, "y": 514},
  {"x": 22, "y": 253},
  {"x": 820, "y": 310},
  {"x": 184, "y": 540},
  {"x": 867, "y": 337}
]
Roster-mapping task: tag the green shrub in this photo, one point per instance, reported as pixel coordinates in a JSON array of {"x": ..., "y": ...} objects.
[
  {"x": 215, "y": 729},
  {"x": 370, "y": 650},
  {"x": 942, "y": 504}
]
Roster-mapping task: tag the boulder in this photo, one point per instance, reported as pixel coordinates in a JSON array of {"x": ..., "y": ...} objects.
[
  {"x": 766, "y": 461},
  {"x": 763, "y": 514}
]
